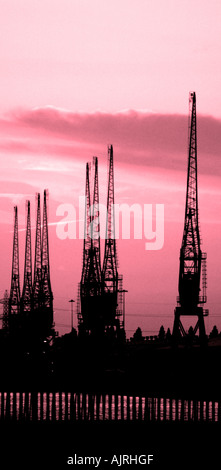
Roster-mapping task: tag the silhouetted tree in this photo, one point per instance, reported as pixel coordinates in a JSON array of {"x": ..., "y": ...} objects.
[
  {"x": 214, "y": 333},
  {"x": 161, "y": 334},
  {"x": 168, "y": 334},
  {"x": 121, "y": 335},
  {"x": 191, "y": 333},
  {"x": 138, "y": 334},
  {"x": 74, "y": 332}
]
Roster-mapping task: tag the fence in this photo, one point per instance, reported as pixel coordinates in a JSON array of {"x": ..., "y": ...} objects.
[{"x": 64, "y": 406}]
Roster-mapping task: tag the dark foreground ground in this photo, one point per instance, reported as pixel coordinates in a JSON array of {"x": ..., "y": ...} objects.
[
  {"x": 49, "y": 445},
  {"x": 153, "y": 369},
  {"x": 143, "y": 368}
]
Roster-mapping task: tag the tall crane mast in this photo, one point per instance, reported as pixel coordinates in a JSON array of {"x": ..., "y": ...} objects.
[
  {"x": 14, "y": 298},
  {"x": 26, "y": 300},
  {"x": 90, "y": 285},
  {"x": 83, "y": 285},
  {"x": 5, "y": 302},
  {"x": 95, "y": 227},
  {"x": 191, "y": 256},
  {"x": 87, "y": 222},
  {"x": 101, "y": 304},
  {"x": 91, "y": 272},
  {"x": 36, "y": 288},
  {"x": 46, "y": 296},
  {"x": 112, "y": 282},
  {"x": 41, "y": 291},
  {"x": 109, "y": 272}
]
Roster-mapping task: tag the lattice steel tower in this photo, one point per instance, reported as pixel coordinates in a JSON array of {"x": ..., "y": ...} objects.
[
  {"x": 110, "y": 279},
  {"x": 90, "y": 319},
  {"x": 46, "y": 291},
  {"x": 42, "y": 295},
  {"x": 192, "y": 260},
  {"x": 5, "y": 302},
  {"x": 36, "y": 288},
  {"x": 14, "y": 297},
  {"x": 100, "y": 291},
  {"x": 26, "y": 300}
]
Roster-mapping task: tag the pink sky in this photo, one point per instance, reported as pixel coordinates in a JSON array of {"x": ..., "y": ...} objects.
[
  {"x": 78, "y": 75},
  {"x": 86, "y": 55}
]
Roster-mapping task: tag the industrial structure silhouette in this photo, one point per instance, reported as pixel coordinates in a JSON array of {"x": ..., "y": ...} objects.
[
  {"x": 100, "y": 288},
  {"x": 129, "y": 389},
  {"x": 100, "y": 305},
  {"x": 192, "y": 260},
  {"x": 33, "y": 355},
  {"x": 30, "y": 313}
]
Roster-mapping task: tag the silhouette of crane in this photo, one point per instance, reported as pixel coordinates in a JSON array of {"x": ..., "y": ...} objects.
[
  {"x": 4, "y": 316},
  {"x": 14, "y": 297},
  {"x": 112, "y": 282},
  {"x": 100, "y": 291},
  {"x": 192, "y": 260},
  {"x": 90, "y": 319},
  {"x": 26, "y": 300}
]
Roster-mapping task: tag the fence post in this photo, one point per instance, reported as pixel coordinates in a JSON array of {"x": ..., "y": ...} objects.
[
  {"x": 8, "y": 411},
  {"x": 14, "y": 412},
  {"x": 60, "y": 405},
  {"x": 219, "y": 411},
  {"x": 53, "y": 411},
  {"x": 91, "y": 406},
  {"x": 171, "y": 409},
  {"x": 146, "y": 408},
  {"x": 41, "y": 406},
  {"x": 177, "y": 409},
  {"x": 134, "y": 408},
  {"x": 201, "y": 410},
  {"x": 116, "y": 406},
  {"x": 110, "y": 406},
  {"x": 84, "y": 406},
  {"x": 72, "y": 407},
  {"x": 207, "y": 410},
  {"x": 213, "y": 411},
  {"x": 103, "y": 405},
  {"x": 128, "y": 408},
  {"x": 122, "y": 407},
  {"x": 2, "y": 406},
  {"x": 47, "y": 406},
  {"x": 66, "y": 406},
  {"x": 153, "y": 409},
  {"x": 21, "y": 416},
  {"x": 140, "y": 413},
  {"x": 98, "y": 405}
]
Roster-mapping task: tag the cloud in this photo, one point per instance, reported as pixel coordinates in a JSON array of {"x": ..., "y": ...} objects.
[{"x": 138, "y": 137}]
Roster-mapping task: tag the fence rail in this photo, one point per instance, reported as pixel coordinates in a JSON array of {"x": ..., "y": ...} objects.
[{"x": 63, "y": 406}]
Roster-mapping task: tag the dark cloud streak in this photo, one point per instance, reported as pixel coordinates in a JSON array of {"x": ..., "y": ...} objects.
[{"x": 140, "y": 138}]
